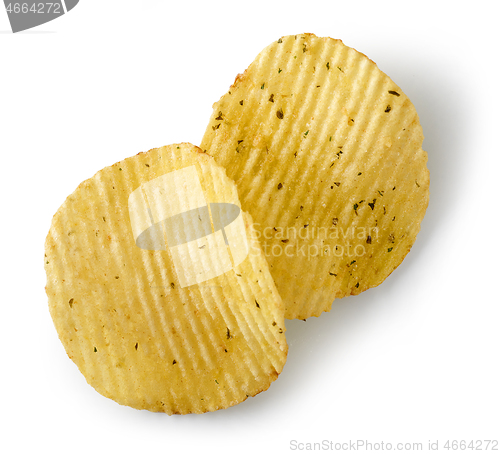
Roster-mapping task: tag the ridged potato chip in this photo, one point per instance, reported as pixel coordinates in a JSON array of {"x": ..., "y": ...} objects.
[
  {"x": 158, "y": 288},
  {"x": 326, "y": 152}
]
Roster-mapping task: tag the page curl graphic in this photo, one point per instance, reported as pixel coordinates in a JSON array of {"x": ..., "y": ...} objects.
[{"x": 26, "y": 14}]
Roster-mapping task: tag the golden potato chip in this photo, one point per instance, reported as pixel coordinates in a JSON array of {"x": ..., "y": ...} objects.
[
  {"x": 326, "y": 153},
  {"x": 159, "y": 291}
]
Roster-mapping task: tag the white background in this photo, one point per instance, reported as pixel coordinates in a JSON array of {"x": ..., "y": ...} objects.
[{"x": 413, "y": 360}]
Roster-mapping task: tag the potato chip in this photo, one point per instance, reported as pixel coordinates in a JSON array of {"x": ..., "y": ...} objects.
[
  {"x": 326, "y": 153},
  {"x": 159, "y": 291}
]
